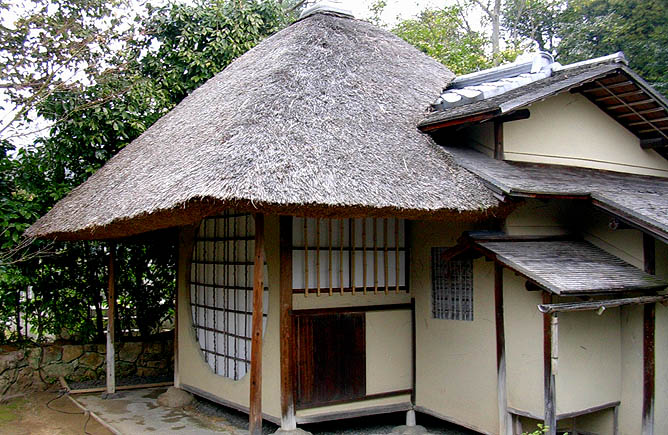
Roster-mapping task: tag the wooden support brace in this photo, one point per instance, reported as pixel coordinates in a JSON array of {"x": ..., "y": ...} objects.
[
  {"x": 288, "y": 419},
  {"x": 111, "y": 327},
  {"x": 550, "y": 416},
  {"x": 649, "y": 324},
  {"x": 505, "y": 422},
  {"x": 255, "y": 417}
]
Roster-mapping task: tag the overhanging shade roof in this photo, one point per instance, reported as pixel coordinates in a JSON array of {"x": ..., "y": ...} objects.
[
  {"x": 641, "y": 200},
  {"x": 571, "y": 267},
  {"x": 318, "y": 119}
]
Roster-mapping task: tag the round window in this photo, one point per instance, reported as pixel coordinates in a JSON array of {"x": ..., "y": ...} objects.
[{"x": 221, "y": 292}]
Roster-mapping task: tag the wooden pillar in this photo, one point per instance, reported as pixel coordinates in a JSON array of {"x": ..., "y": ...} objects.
[
  {"x": 505, "y": 423},
  {"x": 111, "y": 327},
  {"x": 288, "y": 420},
  {"x": 649, "y": 324},
  {"x": 549, "y": 363},
  {"x": 498, "y": 139},
  {"x": 255, "y": 417}
]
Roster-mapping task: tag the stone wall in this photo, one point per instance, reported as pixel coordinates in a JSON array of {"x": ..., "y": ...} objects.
[{"x": 37, "y": 368}]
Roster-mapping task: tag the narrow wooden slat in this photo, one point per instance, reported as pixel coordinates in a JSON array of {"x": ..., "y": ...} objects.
[
  {"x": 396, "y": 254},
  {"x": 622, "y": 95},
  {"x": 288, "y": 419},
  {"x": 364, "y": 254},
  {"x": 385, "y": 257},
  {"x": 375, "y": 256},
  {"x": 353, "y": 281},
  {"x": 640, "y": 112},
  {"x": 612, "y": 86},
  {"x": 255, "y": 415},
  {"x": 341, "y": 233},
  {"x": 647, "y": 121},
  {"x": 317, "y": 256},
  {"x": 329, "y": 243},
  {"x": 306, "y": 256}
]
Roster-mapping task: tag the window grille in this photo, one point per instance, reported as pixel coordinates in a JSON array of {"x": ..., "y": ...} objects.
[
  {"x": 366, "y": 255},
  {"x": 221, "y": 292},
  {"x": 452, "y": 287}
]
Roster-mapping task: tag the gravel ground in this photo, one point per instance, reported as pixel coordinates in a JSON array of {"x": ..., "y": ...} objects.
[{"x": 373, "y": 425}]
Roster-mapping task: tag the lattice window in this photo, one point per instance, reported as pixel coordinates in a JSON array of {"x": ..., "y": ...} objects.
[
  {"x": 365, "y": 255},
  {"x": 452, "y": 287},
  {"x": 221, "y": 292}
]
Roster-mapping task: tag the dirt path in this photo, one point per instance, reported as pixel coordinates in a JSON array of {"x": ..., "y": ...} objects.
[{"x": 30, "y": 415}]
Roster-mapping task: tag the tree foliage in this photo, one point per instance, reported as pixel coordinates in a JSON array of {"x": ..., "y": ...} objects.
[{"x": 162, "y": 55}]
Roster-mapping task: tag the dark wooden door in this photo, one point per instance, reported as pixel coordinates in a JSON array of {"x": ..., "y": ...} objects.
[{"x": 330, "y": 358}]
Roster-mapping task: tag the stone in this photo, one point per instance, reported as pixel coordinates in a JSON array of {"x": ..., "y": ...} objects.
[
  {"x": 409, "y": 430},
  {"x": 82, "y": 373},
  {"x": 147, "y": 372},
  {"x": 72, "y": 352},
  {"x": 162, "y": 364},
  {"x": 101, "y": 348},
  {"x": 91, "y": 360},
  {"x": 130, "y": 351},
  {"x": 55, "y": 371},
  {"x": 24, "y": 381},
  {"x": 52, "y": 354},
  {"x": 34, "y": 357},
  {"x": 296, "y": 431},
  {"x": 125, "y": 369},
  {"x": 175, "y": 398},
  {"x": 11, "y": 360}
]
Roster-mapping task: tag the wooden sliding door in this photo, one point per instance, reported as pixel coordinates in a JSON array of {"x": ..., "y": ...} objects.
[{"x": 330, "y": 358}]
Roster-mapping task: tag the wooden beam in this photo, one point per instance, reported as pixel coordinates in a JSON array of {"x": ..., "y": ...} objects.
[
  {"x": 473, "y": 119},
  {"x": 549, "y": 381},
  {"x": 498, "y": 139},
  {"x": 111, "y": 324},
  {"x": 505, "y": 422},
  {"x": 255, "y": 415},
  {"x": 517, "y": 115},
  {"x": 649, "y": 324},
  {"x": 288, "y": 420}
]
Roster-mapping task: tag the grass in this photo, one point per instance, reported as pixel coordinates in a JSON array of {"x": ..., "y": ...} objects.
[{"x": 10, "y": 410}]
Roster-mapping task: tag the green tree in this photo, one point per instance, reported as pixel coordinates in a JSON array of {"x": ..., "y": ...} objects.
[
  {"x": 639, "y": 28},
  {"x": 444, "y": 35},
  {"x": 161, "y": 57}
]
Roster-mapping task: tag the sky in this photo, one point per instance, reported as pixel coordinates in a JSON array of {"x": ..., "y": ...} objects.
[{"x": 395, "y": 8}]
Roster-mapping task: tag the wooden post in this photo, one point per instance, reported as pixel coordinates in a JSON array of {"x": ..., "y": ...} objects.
[
  {"x": 288, "y": 420},
  {"x": 255, "y": 417},
  {"x": 498, "y": 139},
  {"x": 550, "y": 417},
  {"x": 111, "y": 331},
  {"x": 649, "y": 323},
  {"x": 505, "y": 423}
]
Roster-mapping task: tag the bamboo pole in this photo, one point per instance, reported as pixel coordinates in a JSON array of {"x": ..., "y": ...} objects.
[{"x": 111, "y": 327}]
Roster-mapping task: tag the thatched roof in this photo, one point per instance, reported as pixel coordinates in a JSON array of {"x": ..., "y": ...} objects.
[{"x": 319, "y": 119}]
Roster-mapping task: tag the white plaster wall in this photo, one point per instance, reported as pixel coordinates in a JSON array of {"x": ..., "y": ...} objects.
[
  {"x": 456, "y": 360},
  {"x": 568, "y": 129},
  {"x": 539, "y": 218}
]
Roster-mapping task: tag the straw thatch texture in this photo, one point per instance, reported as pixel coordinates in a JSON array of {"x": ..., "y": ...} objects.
[{"x": 317, "y": 119}]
